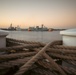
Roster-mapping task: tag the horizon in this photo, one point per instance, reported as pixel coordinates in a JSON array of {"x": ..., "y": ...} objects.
[
  {"x": 30, "y": 26},
  {"x": 29, "y": 13}
]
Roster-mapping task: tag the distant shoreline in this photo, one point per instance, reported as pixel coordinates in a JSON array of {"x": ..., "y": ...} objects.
[{"x": 31, "y": 30}]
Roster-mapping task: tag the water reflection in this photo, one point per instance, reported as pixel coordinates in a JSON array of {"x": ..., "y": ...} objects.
[{"x": 35, "y": 35}]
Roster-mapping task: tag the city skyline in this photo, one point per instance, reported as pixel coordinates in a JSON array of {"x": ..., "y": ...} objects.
[{"x": 25, "y": 13}]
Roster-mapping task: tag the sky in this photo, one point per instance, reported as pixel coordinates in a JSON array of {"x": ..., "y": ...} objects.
[{"x": 29, "y": 13}]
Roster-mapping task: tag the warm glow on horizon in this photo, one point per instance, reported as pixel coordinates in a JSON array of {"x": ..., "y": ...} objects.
[{"x": 25, "y": 13}]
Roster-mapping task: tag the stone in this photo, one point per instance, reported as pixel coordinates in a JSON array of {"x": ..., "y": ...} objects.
[
  {"x": 3, "y": 35},
  {"x": 69, "y": 37}
]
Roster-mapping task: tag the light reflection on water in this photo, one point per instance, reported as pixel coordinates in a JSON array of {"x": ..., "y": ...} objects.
[{"x": 44, "y": 36}]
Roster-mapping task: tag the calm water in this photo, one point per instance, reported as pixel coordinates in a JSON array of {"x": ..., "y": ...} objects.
[{"x": 35, "y": 35}]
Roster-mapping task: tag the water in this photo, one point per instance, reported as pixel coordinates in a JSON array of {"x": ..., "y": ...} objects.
[{"x": 44, "y": 36}]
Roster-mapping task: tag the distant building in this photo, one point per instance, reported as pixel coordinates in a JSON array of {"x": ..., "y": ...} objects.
[
  {"x": 31, "y": 29},
  {"x": 11, "y": 27},
  {"x": 18, "y": 28},
  {"x": 50, "y": 29},
  {"x": 37, "y": 28},
  {"x": 43, "y": 28}
]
